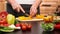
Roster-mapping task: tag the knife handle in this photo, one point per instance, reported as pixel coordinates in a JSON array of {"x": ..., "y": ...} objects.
[{"x": 26, "y": 14}]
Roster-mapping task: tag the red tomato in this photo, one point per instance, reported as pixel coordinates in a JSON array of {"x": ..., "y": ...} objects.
[
  {"x": 3, "y": 14},
  {"x": 6, "y": 25},
  {"x": 1, "y": 25},
  {"x": 24, "y": 28},
  {"x": 29, "y": 26},
  {"x": 22, "y": 24},
  {"x": 18, "y": 25},
  {"x": 3, "y": 21},
  {"x": 26, "y": 24},
  {"x": 57, "y": 26}
]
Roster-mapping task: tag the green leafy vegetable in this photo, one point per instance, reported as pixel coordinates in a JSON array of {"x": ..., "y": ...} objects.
[
  {"x": 6, "y": 29},
  {"x": 47, "y": 26}
]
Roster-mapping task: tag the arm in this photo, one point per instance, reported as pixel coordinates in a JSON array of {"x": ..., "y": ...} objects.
[{"x": 33, "y": 9}]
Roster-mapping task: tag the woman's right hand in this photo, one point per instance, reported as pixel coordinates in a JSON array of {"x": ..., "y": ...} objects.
[{"x": 17, "y": 7}]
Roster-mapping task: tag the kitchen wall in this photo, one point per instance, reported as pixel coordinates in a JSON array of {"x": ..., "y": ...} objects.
[{"x": 49, "y": 6}]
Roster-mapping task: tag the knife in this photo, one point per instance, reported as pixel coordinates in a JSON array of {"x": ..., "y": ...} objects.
[{"x": 26, "y": 14}]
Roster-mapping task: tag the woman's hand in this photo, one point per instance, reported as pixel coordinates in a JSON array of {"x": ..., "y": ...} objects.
[
  {"x": 17, "y": 7},
  {"x": 33, "y": 11}
]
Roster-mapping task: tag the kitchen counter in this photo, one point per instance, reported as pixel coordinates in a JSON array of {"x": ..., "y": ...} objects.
[{"x": 36, "y": 29}]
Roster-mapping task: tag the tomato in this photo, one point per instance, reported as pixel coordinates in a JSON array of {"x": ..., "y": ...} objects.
[
  {"x": 26, "y": 24},
  {"x": 3, "y": 21},
  {"x": 57, "y": 26},
  {"x": 22, "y": 24},
  {"x": 1, "y": 25},
  {"x": 6, "y": 25},
  {"x": 3, "y": 14},
  {"x": 29, "y": 26},
  {"x": 24, "y": 28},
  {"x": 18, "y": 25}
]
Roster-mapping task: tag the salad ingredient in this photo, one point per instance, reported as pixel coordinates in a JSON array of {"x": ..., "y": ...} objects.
[
  {"x": 48, "y": 19},
  {"x": 22, "y": 24},
  {"x": 56, "y": 21},
  {"x": 5, "y": 25},
  {"x": 16, "y": 21},
  {"x": 3, "y": 14},
  {"x": 18, "y": 25},
  {"x": 6, "y": 29},
  {"x": 12, "y": 26},
  {"x": 57, "y": 26},
  {"x": 47, "y": 26},
  {"x": 3, "y": 21},
  {"x": 24, "y": 28},
  {"x": 24, "y": 18},
  {"x": 29, "y": 26},
  {"x": 10, "y": 19},
  {"x": 39, "y": 16}
]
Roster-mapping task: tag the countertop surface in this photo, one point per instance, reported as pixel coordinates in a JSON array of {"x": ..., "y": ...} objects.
[{"x": 36, "y": 29}]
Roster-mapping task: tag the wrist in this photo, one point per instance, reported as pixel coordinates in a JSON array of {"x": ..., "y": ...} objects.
[{"x": 34, "y": 6}]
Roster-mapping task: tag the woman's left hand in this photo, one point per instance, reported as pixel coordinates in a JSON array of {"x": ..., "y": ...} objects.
[{"x": 33, "y": 11}]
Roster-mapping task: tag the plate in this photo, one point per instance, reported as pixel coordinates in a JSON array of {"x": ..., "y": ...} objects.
[{"x": 30, "y": 20}]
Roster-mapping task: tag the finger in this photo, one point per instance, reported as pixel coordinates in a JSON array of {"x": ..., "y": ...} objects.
[
  {"x": 18, "y": 9},
  {"x": 33, "y": 13},
  {"x": 22, "y": 9},
  {"x": 14, "y": 8},
  {"x": 30, "y": 11}
]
